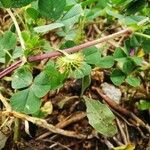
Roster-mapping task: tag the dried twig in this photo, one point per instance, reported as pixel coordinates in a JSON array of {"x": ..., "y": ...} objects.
[
  {"x": 56, "y": 144},
  {"x": 43, "y": 123},
  {"x": 117, "y": 141},
  {"x": 127, "y": 132},
  {"x": 120, "y": 126},
  {"x": 5, "y": 103},
  {"x": 69, "y": 120}
]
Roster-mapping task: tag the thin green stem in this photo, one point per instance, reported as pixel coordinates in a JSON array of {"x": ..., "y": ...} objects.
[
  {"x": 17, "y": 28},
  {"x": 16, "y": 130},
  {"x": 18, "y": 32},
  {"x": 142, "y": 35}
]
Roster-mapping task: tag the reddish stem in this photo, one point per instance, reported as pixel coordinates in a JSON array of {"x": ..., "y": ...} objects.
[
  {"x": 79, "y": 47},
  {"x": 55, "y": 54},
  {"x": 10, "y": 68}
]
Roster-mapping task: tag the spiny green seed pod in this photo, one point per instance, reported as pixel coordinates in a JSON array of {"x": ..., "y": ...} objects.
[{"x": 69, "y": 63}]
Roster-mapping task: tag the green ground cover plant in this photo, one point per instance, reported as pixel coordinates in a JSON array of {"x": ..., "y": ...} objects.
[{"x": 23, "y": 47}]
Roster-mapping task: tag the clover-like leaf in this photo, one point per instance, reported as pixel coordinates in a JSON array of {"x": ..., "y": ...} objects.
[
  {"x": 46, "y": 28},
  {"x": 128, "y": 66},
  {"x": 21, "y": 78},
  {"x": 133, "y": 81},
  {"x": 146, "y": 46},
  {"x": 25, "y": 101},
  {"x": 92, "y": 55},
  {"x": 119, "y": 53},
  {"x": 41, "y": 85},
  {"x": 106, "y": 62},
  {"x": 72, "y": 16},
  {"x": 117, "y": 77},
  {"x": 7, "y": 44},
  {"x": 51, "y": 9}
]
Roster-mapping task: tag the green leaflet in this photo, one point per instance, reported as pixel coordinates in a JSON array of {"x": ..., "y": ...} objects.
[
  {"x": 7, "y": 41},
  {"x": 51, "y": 9},
  {"x": 86, "y": 81},
  {"x": 21, "y": 78},
  {"x": 92, "y": 55},
  {"x": 7, "y": 44},
  {"x": 106, "y": 62},
  {"x": 100, "y": 117},
  {"x": 72, "y": 16},
  {"x": 133, "y": 81},
  {"x": 46, "y": 28},
  {"x": 25, "y": 101},
  {"x": 15, "y": 3},
  {"x": 41, "y": 85},
  {"x": 143, "y": 105},
  {"x": 117, "y": 77}
]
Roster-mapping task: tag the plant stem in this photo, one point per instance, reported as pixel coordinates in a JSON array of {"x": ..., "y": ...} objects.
[
  {"x": 80, "y": 47},
  {"x": 18, "y": 32},
  {"x": 74, "y": 49},
  {"x": 142, "y": 35},
  {"x": 16, "y": 130},
  {"x": 17, "y": 28},
  {"x": 10, "y": 68}
]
